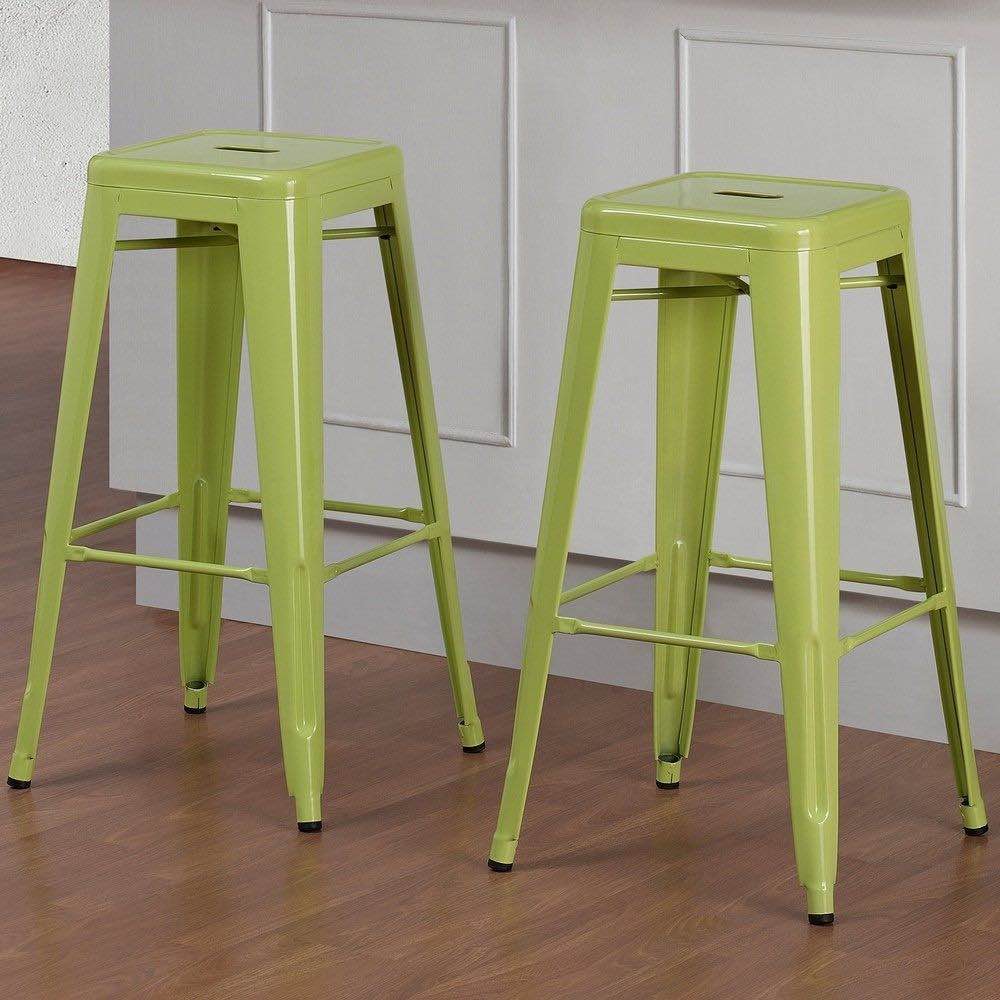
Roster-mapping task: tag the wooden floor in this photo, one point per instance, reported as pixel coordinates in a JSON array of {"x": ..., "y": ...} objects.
[{"x": 156, "y": 854}]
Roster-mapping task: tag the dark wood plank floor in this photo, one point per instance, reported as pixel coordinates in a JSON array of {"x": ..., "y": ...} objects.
[{"x": 156, "y": 854}]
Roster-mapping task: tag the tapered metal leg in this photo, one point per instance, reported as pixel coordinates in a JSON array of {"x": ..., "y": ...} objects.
[
  {"x": 209, "y": 342},
  {"x": 796, "y": 319},
  {"x": 280, "y": 256},
  {"x": 86, "y": 324},
  {"x": 694, "y": 353},
  {"x": 401, "y": 285},
  {"x": 592, "y": 285},
  {"x": 909, "y": 366}
]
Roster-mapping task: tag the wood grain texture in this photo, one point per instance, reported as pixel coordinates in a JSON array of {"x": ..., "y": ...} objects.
[{"x": 156, "y": 855}]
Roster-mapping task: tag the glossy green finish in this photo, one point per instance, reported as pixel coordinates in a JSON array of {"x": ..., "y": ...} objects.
[
  {"x": 644, "y": 565},
  {"x": 81, "y": 553},
  {"x": 909, "y": 366},
  {"x": 925, "y": 607},
  {"x": 344, "y": 507},
  {"x": 209, "y": 348},
  {"x": 400, "y": 270},
  {"x": 86, "y": 323},
  {"x": 167, "y": 502},
  {"x": 914, "y": 584},
  {"x": 746, "y": 211},
  {"x": 249, "y": 238},
  {"x": 661, "y": 637},
  {"x": 792, "y": 250},
  {"x": 400, "y": 542},
  {"x": 280, "y": 255},
  {"x": 592, "y": 285},
  {"x": 694, "y": 352},
  {"x": 242, "y": 164},
  {"x": 796, "y": 322},
  {"x": 212, "y": 238}
]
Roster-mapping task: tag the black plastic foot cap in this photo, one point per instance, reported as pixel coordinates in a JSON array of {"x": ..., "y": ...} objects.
[
  {"x": 821, "y": 919},
  {"x": 478, "y": 749},
  {"x": 979, "y": 831},
  {"x": 18, "y": 783},
  {"x": 668, "y": 784},
  {"x": 195, "y": 711},
  {"x": 499, "y": 866},
  {"x": 311, "y": 826}
]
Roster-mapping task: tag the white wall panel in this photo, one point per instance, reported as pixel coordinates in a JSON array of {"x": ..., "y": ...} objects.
[
  {"x": 598, "y": 88},
  {"x": 443, "y": 89},
  {"x": 599, "y": 91},
  {"x": 813, "y": 107}
]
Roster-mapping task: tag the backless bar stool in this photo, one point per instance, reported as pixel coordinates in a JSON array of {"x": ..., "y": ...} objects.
[
  {"x": 792, "y": 239},
  {"x": 250, "y": 208}
]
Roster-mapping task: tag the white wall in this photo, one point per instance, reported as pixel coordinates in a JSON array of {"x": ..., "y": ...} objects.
[
  {"x": 54, "y": 115},
  {"x": 569, "y": 100},
  {"x": 511, "y": 114}
]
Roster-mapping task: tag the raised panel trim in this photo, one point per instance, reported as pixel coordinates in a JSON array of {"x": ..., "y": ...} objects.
[
  {"x": 956, "y": 53},
  {"x": 505, "y": 437}
]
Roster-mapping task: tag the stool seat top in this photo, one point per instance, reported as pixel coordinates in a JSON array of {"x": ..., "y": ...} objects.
[
  {"x": 748, "y": 210},
  {"x": 246, "y": 164}
]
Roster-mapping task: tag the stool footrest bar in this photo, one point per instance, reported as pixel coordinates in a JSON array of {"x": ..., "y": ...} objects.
[
  {"x": 80, "y": 553},
  {"x": 575, "y": 626},
  {"x": 413, "y": 514},
  {"x": 934, "y": 603},
  {"x": 133, "y": 513},
  {"x": 643, "y": 565},
  {"x": 914, "y": 584},
  {"x": 336, "y": 569}
]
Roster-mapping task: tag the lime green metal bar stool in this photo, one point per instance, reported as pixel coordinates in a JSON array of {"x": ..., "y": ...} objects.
[
  {"x": 251, "y": 207},
  {"x": 785, "y": 242}
]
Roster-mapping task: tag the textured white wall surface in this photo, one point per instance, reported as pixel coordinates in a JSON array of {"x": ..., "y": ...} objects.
[{"x": 54, "y": 115}]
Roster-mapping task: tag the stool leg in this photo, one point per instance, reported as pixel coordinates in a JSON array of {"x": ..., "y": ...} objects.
[
  {"x": 592, "y": 286},
  {"x": 796, "y": 321},
  {"x": 209, "y": 342},
  {"x": 909, "y": 365},
  {"x": 694, "y": 350},
  {"x": 401, "y": 285},
  {"x": 280, "y": 256},
  {"x": 86, "y": 324}
]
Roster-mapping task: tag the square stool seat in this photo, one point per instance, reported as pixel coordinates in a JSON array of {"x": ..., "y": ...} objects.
[
  {"x": 244, "y": 164},
  {"x": 745, "y": 210}
]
